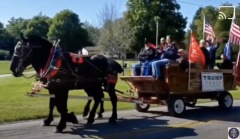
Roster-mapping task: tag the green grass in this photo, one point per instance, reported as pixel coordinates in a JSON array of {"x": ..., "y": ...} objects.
[
  {"x": 15, "y": 106},
  {"x": 4, "y": 67}
]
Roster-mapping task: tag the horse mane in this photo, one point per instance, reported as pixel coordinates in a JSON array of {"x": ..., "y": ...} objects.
[{"x": 39, "y": 40}]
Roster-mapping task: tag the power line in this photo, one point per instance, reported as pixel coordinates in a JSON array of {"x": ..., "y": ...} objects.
[{"x": 191, "y": 3}]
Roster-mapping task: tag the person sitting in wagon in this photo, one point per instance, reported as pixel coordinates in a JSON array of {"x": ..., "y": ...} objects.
[
  {"x": 183, "y": 59},
  {"x": 163, "y": 43},
  {"x": 146, "y": 55},
  {"x": 168, "y": 54}
]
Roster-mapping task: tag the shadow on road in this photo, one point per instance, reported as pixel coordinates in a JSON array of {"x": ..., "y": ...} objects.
[
  {"x": 141, "y": 127},
  {"x": 208, "y": 113},
  {"x": 204, "y": 113}
]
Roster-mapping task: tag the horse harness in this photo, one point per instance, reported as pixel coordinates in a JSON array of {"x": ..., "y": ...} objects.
[{"x": 54, "y": 66}]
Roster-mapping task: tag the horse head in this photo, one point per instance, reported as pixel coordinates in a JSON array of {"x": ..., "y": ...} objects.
[{"x": 30, "y": 50}]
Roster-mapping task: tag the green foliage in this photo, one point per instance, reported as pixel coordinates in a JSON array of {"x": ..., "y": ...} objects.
[
  {"x": 38, "y": 25},
  {"x": 93, "y": 32},
  {"x": 66, "y": 26},
  {"x": 17, "y": 26},
  {"x": 5, "y": 39},
  {"x": 142, "y": 17}
]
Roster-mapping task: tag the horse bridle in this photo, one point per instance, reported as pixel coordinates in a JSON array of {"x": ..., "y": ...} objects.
[{"x": 23, "y": 58}]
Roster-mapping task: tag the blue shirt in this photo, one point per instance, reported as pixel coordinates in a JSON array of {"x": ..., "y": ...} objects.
[
  {"x": 212, "y": 52},
  {"x": 170, "y": 52}
]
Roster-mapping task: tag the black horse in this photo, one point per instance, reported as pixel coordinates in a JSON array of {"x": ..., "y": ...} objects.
[{"x": 62, "y": 71}]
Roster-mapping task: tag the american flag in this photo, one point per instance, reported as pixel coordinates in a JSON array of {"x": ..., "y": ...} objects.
[
  {"x": 209, "y": 30},
  {"x": 234, "y": 35}
]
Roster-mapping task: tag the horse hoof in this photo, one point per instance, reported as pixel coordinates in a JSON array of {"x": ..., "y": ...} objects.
[
  {"x": 59, "y": 129},
  {"x": 46, "y": 122},
  {"x": 85, "y": 114},
  {"x": 100, "y": 116},
  {"x": 90, "y": 121},
  {"x": 72, "y": 118},
  {"x": 112, "y": 121}
]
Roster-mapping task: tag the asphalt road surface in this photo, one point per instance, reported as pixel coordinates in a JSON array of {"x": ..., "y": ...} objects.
[{"x": 203, "y": 122}]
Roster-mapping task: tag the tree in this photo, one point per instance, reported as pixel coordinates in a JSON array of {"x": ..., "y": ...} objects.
[
  {"x": 142, "y": 17},
  {"x": 108, "y": 14},
  {"x": 93, "y": 32},
  {"x": 66, "y": 26},
  {"x": 116, "y": 38},
  {"x": 17, "y": 26},
  {"x": 2, "y": 37},
  {"x": 116, "y": 34},
  {"x": 38, "y": 25}
]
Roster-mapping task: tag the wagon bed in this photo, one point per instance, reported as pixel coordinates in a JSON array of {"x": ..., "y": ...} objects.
[{"x": 177, "y": 88}]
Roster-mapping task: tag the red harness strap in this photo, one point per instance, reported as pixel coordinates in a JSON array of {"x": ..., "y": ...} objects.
[
  {"x": 76, "y": 58},
  {"x": 49, "y": 60},
  {"x": 112, "y": 79},
  {"x": 54, "y": 71}
]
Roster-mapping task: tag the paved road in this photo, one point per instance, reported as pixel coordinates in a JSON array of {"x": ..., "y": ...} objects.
[
  {"x": 9, "y": 75},
  {"x": 204, "y": 122}
]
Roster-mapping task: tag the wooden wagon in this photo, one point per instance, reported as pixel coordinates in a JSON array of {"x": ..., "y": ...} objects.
[{"x": 177, "y": 90}]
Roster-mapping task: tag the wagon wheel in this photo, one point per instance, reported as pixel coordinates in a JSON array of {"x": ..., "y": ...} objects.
[
  {"x": 176, "y": 106},
  {"x": 225, "y": 100},
  {"x": 142, "y": 107},
  {"x": 191, "y": 102}
]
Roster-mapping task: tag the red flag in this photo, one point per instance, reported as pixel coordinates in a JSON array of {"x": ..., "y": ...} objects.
[{"x": 195, "y": 53}]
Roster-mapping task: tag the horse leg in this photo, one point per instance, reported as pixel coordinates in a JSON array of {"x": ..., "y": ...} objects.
[
  {"x": 101, "y": 111},
  {"x": 87, "y": 106},
  {"x": 72, "y": 118},
  {"x": 61, "y": 102},
  {"x": 49, "y": 119},
  {"x": 113, "y": 98},
  {"x": 97, "y": 99}
]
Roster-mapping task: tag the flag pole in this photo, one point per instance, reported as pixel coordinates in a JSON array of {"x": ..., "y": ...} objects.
[
  {"x": 203, "y": 25},
  {"x": 189, "y": 65},
  {"x": 230, "y": 30},
  {"x": 237, "y": 62},
  {"x": 157, "y": 34}
]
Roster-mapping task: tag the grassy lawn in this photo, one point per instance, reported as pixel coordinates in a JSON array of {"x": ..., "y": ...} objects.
[
  {"x": 4, "y": 67},
  {"x": 15, "y": 106}
]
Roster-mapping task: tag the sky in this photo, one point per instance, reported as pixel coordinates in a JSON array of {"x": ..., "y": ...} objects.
[{"x": 86, "y": 9}]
